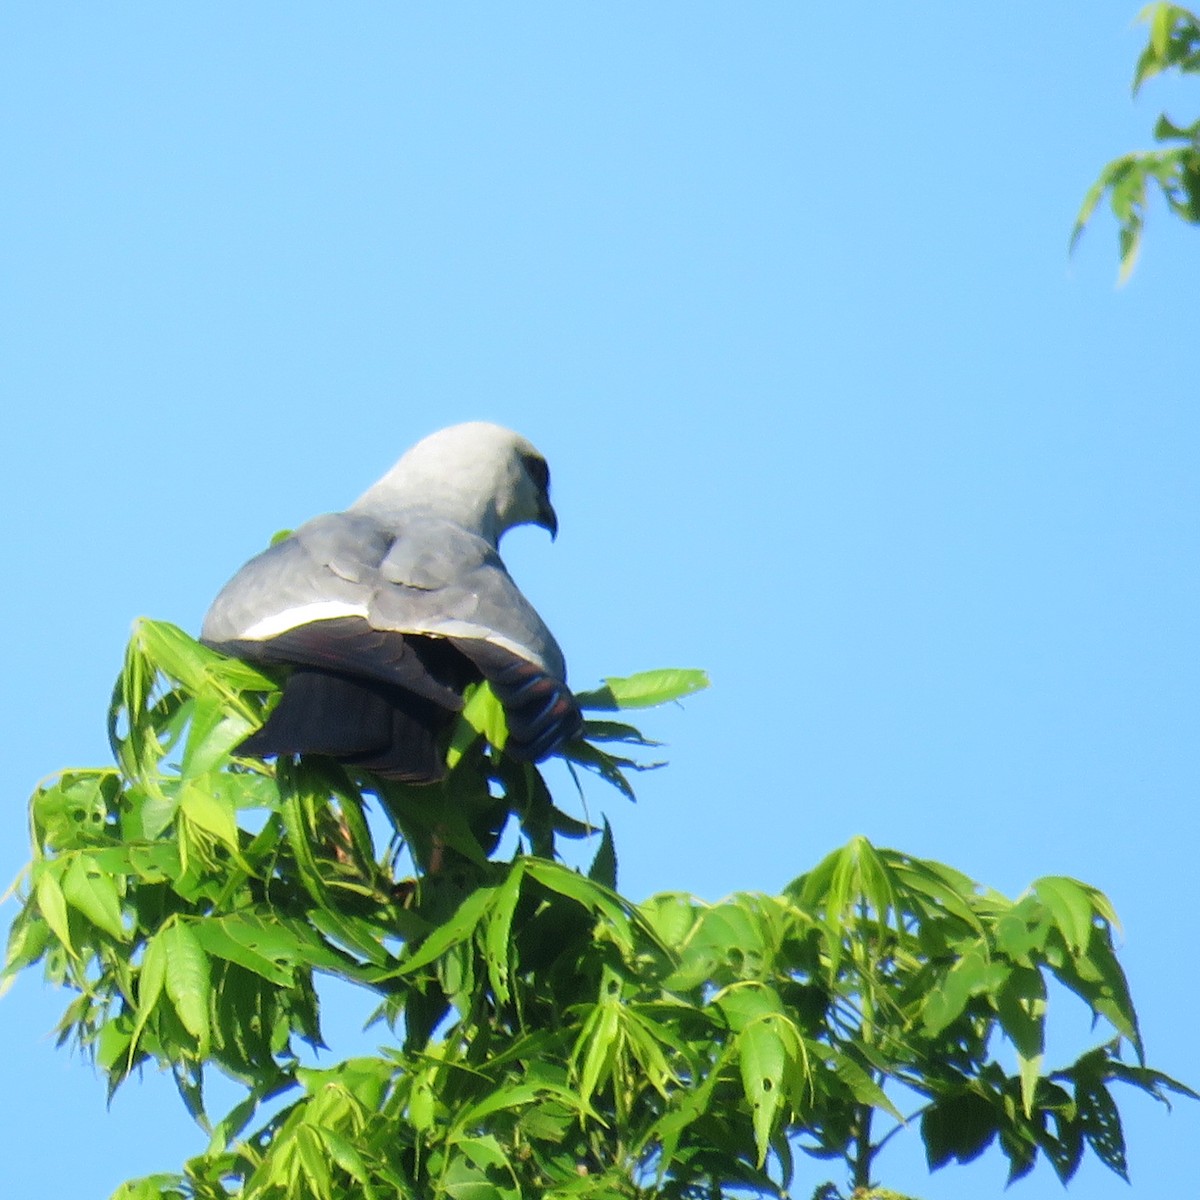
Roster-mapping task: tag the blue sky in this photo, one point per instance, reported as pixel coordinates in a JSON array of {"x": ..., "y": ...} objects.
[{"x": 781, "y": 292}]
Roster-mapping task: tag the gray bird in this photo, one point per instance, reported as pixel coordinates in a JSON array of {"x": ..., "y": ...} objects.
[{"x": 386, "y": 612}]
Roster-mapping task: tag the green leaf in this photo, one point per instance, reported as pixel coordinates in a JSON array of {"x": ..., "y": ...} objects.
[
  {"x": 74, "y": 811},
  {"x": 151, "y": 980},
  {"x": 422, "y": 1102},
  {"x": 588, "y": 893},
  {"x": 973, "y": 975},
  {"x": 346, "y": 1155},
  {"x": 863, "y": 1085},
  {"x": 1154, "y": 1083},
  {"x": 1021, "y": 1005},
  {"x": 508, "y": 1097},
  {"x": 762, "y": 1057},
  {"x": 197, "y": 667},
  {"x": 644, "y": 690},
  {"x": 261, "y": 945},
  {"x": 467, "y": 1179},
  {"x": 672, "y": 916},
  {"x": 1021, "y": 932},
  {"x": 187, "y": 979},
  {"x": 157, "y": 862},
  {"x": 27, "y": 940},
  {"x": 51, "y": 902},
  {"x": 363, "y": 937},
  {"x": 604, "y": 866},
  {"x": 728, "y": 943},
  {"x": 607, "y": 766},
  {"x": 616, "y": 731},
  {"x": 313, "y": 1161},
  {"x": 93, "y": 893},
  {"x": 482, "y": 714},
  {"x": 951, "y": 892},
  {"x": 1098, "y": 979},
  {"x": 457, "y": 928},
  {"x": 205, "y": 811},
  {"x": 1101, "y": 1125},
  {"x": 959, "y": 1126},
  {"x": 743, "y": 1003},
  {"x": 214, "y": 732},
  {"x": 598, "y": 1044},
  {"x": 1070, "y": 905},
  {"x": 1093, "y": 197},
  {"x": 499, "y": 932}
]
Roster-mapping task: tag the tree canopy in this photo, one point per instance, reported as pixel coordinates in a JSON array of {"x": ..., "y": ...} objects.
[
  {"x": 1173, "y": 45},
  {"x": 545, "y": 1036}
]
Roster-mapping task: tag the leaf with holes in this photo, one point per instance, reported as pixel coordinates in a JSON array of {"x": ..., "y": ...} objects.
[
  {"x": 1101, "y": 1125},
  {"x": 763, "y": 1059}
]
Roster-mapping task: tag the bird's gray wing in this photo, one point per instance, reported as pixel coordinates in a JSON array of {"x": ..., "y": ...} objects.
[
  {"x": 306, "y": 601},
  {"x": 427, "y": 606},
  {"x": 323, "y": 569},
  {"x": 439, "y": 579}
]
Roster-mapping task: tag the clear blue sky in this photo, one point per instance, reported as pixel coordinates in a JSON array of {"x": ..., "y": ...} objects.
[{"x": 782, "y": 293}]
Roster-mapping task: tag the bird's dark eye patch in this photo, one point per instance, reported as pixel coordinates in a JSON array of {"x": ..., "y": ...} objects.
[{"x": 539, "y": 472}]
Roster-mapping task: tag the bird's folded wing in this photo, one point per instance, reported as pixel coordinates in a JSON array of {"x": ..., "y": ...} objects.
[{"x": 336, "y": 592}]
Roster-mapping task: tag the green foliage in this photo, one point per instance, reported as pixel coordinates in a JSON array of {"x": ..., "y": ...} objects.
[
  {"x": 1173, "y": 45},
  {"x": 546, "y": 1036}
]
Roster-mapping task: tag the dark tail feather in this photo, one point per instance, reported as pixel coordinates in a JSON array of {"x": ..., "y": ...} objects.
[
  {"x": 361, "y": 723},
  {"x": 541, "y": 711}
]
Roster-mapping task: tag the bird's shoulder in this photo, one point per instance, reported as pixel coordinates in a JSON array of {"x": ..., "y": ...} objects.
[
  {"x": 352, "y": 545},
  {"x": 431, "y": 553}
]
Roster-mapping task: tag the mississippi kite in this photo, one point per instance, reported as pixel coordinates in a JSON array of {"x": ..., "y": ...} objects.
[{"x": 387, "y": 611}]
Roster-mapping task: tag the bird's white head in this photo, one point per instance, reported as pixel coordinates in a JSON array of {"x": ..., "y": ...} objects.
[{"x": 479, "y": 475}]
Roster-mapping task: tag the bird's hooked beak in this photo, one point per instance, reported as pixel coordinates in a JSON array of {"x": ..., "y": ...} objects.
[{"x": 547, "y": 518}]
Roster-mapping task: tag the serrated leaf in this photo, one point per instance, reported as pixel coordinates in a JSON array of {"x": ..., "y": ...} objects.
[
  {"x": 497, "y": 937},
  {"x": 604, "y": 866},
  {"x": 364, "y": 938},
  {"x": 195, "y": 666},
  {"x": 616, "y": 731},
  {"x": 607, "y": 766},
  {"x": 586, "y": 892},
  {"x": 864, "y": 1087},
  {"x": 1101, "y": 1124},
  {"x": 313, "y": 1162},
  {"x": 455, "y": 929},
  {"x": 597, "y": 1046}
]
